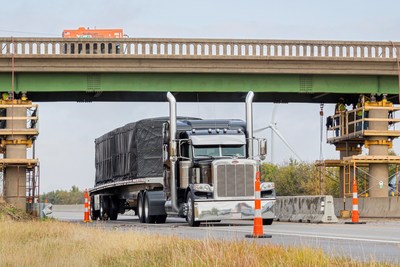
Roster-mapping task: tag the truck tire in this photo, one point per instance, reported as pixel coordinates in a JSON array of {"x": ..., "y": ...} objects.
[
  {"x": 140, "y": 207},
  {"x": 190, "y": 212},
  {"x": 104, "y": 208},
  {"x": 267, "y": 221},
  {"x": 147, "y": 217},
  {"x": 114, "y": 208}
]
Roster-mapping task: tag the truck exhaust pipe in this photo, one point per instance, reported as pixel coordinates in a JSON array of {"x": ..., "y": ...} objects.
[
  {"x": 249, "y": 122},
  {"x": 172, "y": 150}
]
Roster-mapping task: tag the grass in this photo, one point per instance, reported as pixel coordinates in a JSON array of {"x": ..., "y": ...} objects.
[
  {"x": 25, "y": 241},
  {"x": 53, "y": 243}
]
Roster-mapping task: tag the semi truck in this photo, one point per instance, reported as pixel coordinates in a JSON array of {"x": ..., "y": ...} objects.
[
  {"x": 201, "y": 170},
  {"x": 102, "y": 47},
  {"x": 83, "y": 32}
]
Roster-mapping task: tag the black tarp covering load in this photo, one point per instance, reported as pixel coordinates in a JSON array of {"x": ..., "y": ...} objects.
[{"x": 129, "y": 152}]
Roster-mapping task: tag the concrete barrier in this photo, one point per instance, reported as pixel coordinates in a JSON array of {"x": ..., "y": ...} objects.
[
  {"x": 372, "y": 207},
  {"x": 68, "y": 208},
  {"x": 313, "y": 209}
]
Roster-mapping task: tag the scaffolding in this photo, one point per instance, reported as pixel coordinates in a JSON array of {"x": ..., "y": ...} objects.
[
  {"x": 349, "y": 131},
  {"x": 19, "y": 172}
]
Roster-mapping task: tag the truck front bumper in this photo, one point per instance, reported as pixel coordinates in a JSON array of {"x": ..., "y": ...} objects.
[{"x": 209, "y": 210}]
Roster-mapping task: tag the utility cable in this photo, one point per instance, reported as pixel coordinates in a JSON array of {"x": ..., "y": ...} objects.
[
  {"x": 36, "y": 33},
  {"x": 321, "y": 113},
  {"x": 12, "y": 84}
]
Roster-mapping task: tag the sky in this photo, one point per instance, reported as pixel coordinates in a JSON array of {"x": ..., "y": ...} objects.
[{"x": 65, "y": 146}]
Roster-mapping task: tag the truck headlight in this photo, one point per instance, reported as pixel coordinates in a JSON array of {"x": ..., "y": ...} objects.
[
  {"x": 203, "y": 187},
  {"x": 267, "y": 186}
]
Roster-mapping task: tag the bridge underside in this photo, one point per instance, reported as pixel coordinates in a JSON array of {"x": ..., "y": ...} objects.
[{"x": 198, "y": 87}]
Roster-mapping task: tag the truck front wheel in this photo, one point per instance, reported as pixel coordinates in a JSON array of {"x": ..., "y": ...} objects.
[{"x": 190, "y": 211}]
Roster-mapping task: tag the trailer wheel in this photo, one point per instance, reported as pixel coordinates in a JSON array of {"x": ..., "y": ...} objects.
[
  {"x": 104, "y": 208},
  {"x": 190, "y": 212},
  {"x": 140, "y": 207},
  {"x": 114, "y": 208},
  {"x": 147, "y": 217},
  {"x": 267, "y": 221}
]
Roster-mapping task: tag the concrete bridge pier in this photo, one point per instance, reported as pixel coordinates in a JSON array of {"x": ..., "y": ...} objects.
[
  {"x": 378, "y": 146},
  {"x": 18, "y": 130},
  {"x": 15, "y": 174}
]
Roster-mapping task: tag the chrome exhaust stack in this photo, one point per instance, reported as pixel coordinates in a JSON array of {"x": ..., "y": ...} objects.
[
  {"x": 249, "y": 122},
  {"x": 172, "y": 150}
]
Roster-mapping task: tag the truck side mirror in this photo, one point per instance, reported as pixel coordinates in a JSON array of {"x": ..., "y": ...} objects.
[{"x": 262, "y": 148}]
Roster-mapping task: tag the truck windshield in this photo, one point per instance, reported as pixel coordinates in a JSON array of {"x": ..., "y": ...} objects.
[{"x": 219, "y": 151}]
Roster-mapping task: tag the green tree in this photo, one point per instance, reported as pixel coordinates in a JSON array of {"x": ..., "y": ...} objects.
[
  {"x": 292, "y": 178},
  {"x": 297, "y": 178},
  {"x": 63, "y": 197}
]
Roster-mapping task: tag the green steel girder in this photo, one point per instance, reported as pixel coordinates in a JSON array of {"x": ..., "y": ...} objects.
[{"x": 201, "y": 83}]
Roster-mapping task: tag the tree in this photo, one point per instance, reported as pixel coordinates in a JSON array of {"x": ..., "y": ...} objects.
[
  {"x": 297, "y": 178},
  {"x": 291, "y": 179},
  {"x": 63, "y": 197}
]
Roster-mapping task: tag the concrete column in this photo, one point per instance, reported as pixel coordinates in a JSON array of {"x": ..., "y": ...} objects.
[
  {"x": 378, "y": 171},
  {"x": 15, "y": 176}
]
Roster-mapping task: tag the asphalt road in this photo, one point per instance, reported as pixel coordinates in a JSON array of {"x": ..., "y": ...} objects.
[{"x": 378, "y": 239}]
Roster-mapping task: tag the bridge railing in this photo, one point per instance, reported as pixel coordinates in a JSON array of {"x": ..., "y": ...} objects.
[{"x": 198, "y": 48}]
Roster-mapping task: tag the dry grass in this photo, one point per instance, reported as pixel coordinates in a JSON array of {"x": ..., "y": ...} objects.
[
  {"x": 51, "y": 243},
  {"x": 9, "y": 212}
]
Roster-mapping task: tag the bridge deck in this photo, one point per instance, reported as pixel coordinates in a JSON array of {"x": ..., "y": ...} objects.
[{"x": 142, "y": 69}]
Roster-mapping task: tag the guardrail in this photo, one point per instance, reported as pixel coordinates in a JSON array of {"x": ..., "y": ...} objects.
[{"x": 199, "y": 48}]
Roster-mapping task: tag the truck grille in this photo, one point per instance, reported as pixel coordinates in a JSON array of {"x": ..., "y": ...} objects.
[{"x": 234, "y": 180}]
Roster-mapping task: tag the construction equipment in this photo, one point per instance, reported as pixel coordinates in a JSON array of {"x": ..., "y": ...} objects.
[
  {"x": 372, "y": 125},
  {"x": 103, "y": 47}
]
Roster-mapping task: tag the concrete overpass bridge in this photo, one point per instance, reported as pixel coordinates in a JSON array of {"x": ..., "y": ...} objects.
[
  {"x": 201, "y": 70},
  {"x": 133, "y": 69}
]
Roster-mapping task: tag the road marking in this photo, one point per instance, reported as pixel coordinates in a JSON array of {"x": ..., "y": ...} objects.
[{"x": 343, "y": 237}]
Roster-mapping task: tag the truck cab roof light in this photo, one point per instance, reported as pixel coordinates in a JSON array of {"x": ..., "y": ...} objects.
[
  {"x": 194, "y": 131},
  {"x": 217, "y": 130},
  {"x": 225, "y": 130},
  {"x": 209, "y": 130}
]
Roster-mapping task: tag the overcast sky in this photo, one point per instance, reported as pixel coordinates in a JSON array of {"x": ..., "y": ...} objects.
[{"x": 65, "y": 146}]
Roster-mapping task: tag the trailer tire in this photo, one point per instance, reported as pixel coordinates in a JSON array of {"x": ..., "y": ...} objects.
[
  {"x": 140, "y": 207},
  {"x": 147, "y": 217},
  {"x": 114, "y": 208},
  {"x": 267, "y": 221},
  {"x": 190, "y": 213},
  {"x": 104, "y": 208}
]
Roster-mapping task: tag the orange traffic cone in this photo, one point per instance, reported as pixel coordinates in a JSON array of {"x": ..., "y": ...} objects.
[
  {"x": 354, "y": 212},
  {"x": 87, "y": 207},
  {"x": 258, "y": 230}
]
